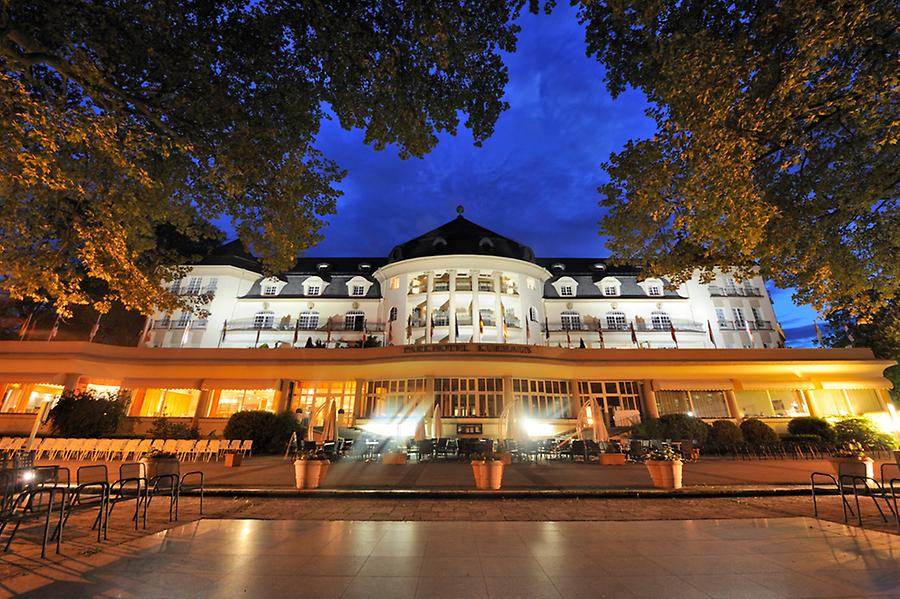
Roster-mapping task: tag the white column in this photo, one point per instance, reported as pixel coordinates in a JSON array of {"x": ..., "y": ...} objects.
[
  {"x": 498, "y": 307},
  {"x": 429, "y": 287},
  {"x": 451, "y": 306},
  {"x": 476, "y": 331}
]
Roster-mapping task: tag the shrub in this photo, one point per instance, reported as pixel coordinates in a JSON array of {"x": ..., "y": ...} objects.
[
  {"x": 864, "y": 432},
  {"x": 724, "y": 434},
  {"x": 807, "y": 425},
  {"x": 270, "y": 432},
  {"x": 758, "y": 433},
  {"x": 672, "y": 426},
  {"x": 163, "y": 429},
  {"x": 801, "y": 439},
  {"x": 84, "y": 414}
]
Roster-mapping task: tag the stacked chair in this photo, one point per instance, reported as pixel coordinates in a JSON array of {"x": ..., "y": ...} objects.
[{"x": 108, "y": 450}]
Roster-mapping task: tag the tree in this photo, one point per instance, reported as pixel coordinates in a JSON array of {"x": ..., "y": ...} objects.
[
  {"x": 776, "y": 146},
  {"x": 881, "y": 334},
  {"x": 120, "y": 117}
]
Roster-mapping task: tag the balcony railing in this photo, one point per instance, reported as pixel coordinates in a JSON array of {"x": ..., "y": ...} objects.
[
  {"x": 639, "y": 327},
  {"x": 248, "y": 324},
  {"x": 718, "y": 291},
  {"x": 755, "y": 325}
]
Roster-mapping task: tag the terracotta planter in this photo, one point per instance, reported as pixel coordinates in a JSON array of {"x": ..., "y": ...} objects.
[
  {"x": 157, "y": 466},
  {"x": 897, "y": 457},
  {"x": 612, "y": 459},
  {"x": 504, "y": 457},
  {"x": 394, "y": 458},
  {"x": 853, "y": 467},
  {"x": 495, "y": 473},
  {"x": 665, "y": 475},
  {"x": 308, "y": 474},
  {"x": 233, "y": 460},
  {"x": 480, "y": 471}
]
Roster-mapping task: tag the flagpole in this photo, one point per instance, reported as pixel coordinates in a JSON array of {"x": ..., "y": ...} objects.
[
  {"x": 23, "y": 330},
  {"x": 142, "y": 342},
  {"x": 55, "y": 330},
  {"x": 224, "y": 331},
  {"x": 95, "y": 329}
]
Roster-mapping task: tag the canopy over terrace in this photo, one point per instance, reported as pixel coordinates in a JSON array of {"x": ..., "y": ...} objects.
[{"x": 471, "y": 382}]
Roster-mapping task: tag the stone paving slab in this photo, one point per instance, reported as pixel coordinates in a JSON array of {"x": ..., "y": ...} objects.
[{"x": 759, "y": 558}]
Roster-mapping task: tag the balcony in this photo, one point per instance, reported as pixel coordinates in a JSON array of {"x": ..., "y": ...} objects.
[
  {"x": 683, "y": 326},
  {"x": 717, "y": 291},
  {"x": 734, "y": 325},
  {"x": 248, "y": 324}
]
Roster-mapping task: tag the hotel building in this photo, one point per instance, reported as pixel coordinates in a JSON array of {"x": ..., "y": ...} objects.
[{"x": 461, "y": 317}]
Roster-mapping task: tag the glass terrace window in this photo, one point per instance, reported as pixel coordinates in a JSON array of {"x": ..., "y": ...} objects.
[
  {"x": 463, "y": 283},
  {"x": 354, "y": 321},
  {"x": 543, "y": 399},
  {"x": 485, "y": 284},
  {"x": 738, "y": 314}
]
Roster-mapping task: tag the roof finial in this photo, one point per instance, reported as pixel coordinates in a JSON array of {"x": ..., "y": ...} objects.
[{"x": 460, "y": 210}]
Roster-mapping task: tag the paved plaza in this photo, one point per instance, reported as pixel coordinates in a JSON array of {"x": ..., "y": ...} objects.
[{"x": 758, "y": 558}]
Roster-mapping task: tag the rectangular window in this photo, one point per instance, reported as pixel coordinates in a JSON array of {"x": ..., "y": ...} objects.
[
  {"x": 485, "y": 284},
  {"x": 654, "y": 290},
  {"x": 309, "y": 320},
  {"x": 702, "y": 404},
  {"x": 660, "y": 321},
  {"x": 567, "y": 291},
  {"x": 720, "y": 316},
  {"x": 611, "y": 395},
  {"x": 212, "y": 285},
  {"x": 395, "y": 283},
  {"x": 570, "y": 321},
  {"x": 773, "y": 403},
  {"x": 615, "y": 321},
  {"x": 397, "y": 399},
  {"x": 544, "y": 399},
  {"x": 610, "y": 290},
  {"x": 469, "y": 397},
  {"x": 738, "y": 315},
  {"x": 487, "y": 317},
  {"x": 463, "y": 283},
  {"x": 358, "y": 290},
  {"x": 313, "y": 290},
  {"x": 757, "y": 315},
  {"x": 183, "y": 319},
  {"x": 864, "y": 400},
  {"x": 230, "y": 401},
  {"x": 312, "y": 399},
  {"x": 354, "y": 321},
  {"x": 264, "y": 320},
  {"x": 193, "y": 287},
  {"x": 270, "y": 290},
  {"x": 174, "y": 403}
]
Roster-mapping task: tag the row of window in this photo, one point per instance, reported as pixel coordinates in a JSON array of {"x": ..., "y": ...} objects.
[
  {"x": 615, "y": 321},
  {"x": 463, "y": 282},
  {"x": 194, "y": 285},
  {"x": 314, "y": 289},
  {"x": 354, "y": 320},
  {"x": 611, "y": 289}
]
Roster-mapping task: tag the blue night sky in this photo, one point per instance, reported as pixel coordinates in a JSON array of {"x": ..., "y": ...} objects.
[{"x": 534, "y": 180}]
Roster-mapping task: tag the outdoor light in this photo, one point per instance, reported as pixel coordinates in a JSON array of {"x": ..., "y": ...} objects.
[
  {"x": 691, "y": 414},
  {"x": 537, "y": 428},
  {"x": 28, "y": 476}
]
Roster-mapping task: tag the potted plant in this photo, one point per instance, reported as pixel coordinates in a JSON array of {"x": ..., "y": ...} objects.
[
  {"x": 395, "y": 455},
  {"x": 310, "y": 468},
  {"x": 851, "y": 460},
  {"x": 480, "y": 472},
  {"x": 612, "y": 455},
  {"x": 157, "y": 462},
  {"x": 488, "y": 471},
  {"x": 664, "y": 466}
]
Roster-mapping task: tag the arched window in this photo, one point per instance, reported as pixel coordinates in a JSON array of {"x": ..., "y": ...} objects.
[
  {"x": 660, "y": 321},
  {"x": 532, "y": 314},
  {"x": 264, "y": 320},
  {"x": 615, "y": 321},
  {"x": 571, "y": 321},
  {"x": 309, "y": 320},
  {"x": 392, "y": 315}
]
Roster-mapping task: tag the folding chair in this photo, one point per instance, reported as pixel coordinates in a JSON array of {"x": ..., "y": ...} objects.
[
  {"x": 184, "y": 448},
  {"x": 247, "y": 447},
  {"x": 142, "y": 448},
  {"x": 200, "y": 449},
  {"x": 101, "y": 449},
  {"x": 212, "y": 449},
  {"x": 170, "y": 446},
  {"x": 71, "y": 448},
  {"x": 129, "y": 449},
  {"x": 157, "y": 444}
]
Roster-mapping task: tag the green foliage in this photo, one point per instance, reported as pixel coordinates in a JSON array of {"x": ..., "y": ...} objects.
[
  {"x": 163, "y": 429},
  {"x": 672, "y": 426},
  {"x": 724, "y": 434},
  {"x": 776, "y": 142},
  {"x": 801, "y": 439},
  {"x": 270, "y": 432},
  {"x": 758, "y": 433},
  {"x": 85, "y": 414},
  {"x": 807, "y": 425},
  {"x": 118, "y": 117},
  {"x": 863, "y": 432}
]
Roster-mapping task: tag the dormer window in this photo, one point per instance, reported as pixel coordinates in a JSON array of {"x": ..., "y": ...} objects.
[
  {"x": 610, "y": 287},
  {"x": 610, "y": 290},
  {"x": 269, "y": 289},
  {"x": 654, "y": 289},
  {"x": 566, "y": 291},
  {"x": 313, "y": 289},
  {"x": 357, "y": 290}
]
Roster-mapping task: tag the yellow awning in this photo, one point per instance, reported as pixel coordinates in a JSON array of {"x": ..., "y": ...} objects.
[
  {"x": 240, "y": 384},
  {"x": 873, "y": 383},
  {"x": 773, "y": 384},
  {"x": 161, "y": 383},
  {"x": 692, "y": 385},
  {"x": 30, "y": 378}
]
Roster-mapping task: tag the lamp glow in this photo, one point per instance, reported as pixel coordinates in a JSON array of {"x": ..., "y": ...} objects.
[{"x": 537, "y": 428}]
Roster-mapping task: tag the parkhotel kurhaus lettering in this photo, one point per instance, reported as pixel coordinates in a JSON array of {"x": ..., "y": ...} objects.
[{"x": 429, "y": 324}]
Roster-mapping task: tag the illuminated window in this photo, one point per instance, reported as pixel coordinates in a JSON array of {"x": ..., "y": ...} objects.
[
  {"x": 395, "y": 283},
  {"x": 543, "y": 399},
  {"x": 397, "y": 399},
  {"x": 226, "y": 402},
  {"x": 312, "y": 398},
  {"x": 702, "y": 404},
  {"x": 611, "y": 395},
  {"x": 25, "y": 399},
  {"x": 193, "y": 287},
  {"x": 175, "y": 403},
  {"x": 772, "y": 403},
  {"x": 469, "y": 397}
]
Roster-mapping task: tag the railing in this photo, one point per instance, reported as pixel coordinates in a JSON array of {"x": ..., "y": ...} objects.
[
  {"x": 718, "y": 291},
  {"x": 639, "y": 327},
  {"x": 755, "y": 325},
  {"x": 289, "y": 324}
]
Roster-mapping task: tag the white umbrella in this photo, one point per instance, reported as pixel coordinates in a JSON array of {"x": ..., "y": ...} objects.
[
  {"x": 420, "y": 430},
  {"x": 310, "y": 433},
  {"x": 581, "y": 421},
  {"x": 598, "y": 426},
  {"x": 504, "y": 422},
  {"x": 436, "y": 422},
  {"x": 517, "y": 423},
  {"x": 329, "y": 430}
]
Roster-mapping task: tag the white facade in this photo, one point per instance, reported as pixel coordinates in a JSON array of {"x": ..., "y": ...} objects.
[{"x": 462, "y": 283}]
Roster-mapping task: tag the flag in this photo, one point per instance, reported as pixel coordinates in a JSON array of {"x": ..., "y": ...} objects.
[
  {"x": 505, "y": 331},
  {"x": 749, "y": 331},
  {"x": 850, "y": 337},
  {"x": 527, "y": 329},
  {"x": 24, "y": 328},
  {"x": 365, "y": 331},
  {"x": 818, "y": 332},
  {"x": 672, "y": 331},
  {"x": 94, "y": 329},
  {"x": 568, "y": 337},
  {"x": 480, "y": 323},
  {"x": 546, "y": 329},
  {"x": 633, "y": 333},
  {"x": 225, "y": 330},
  {"x": 328, "y": 331},
  {"x": 296, "y": 331},
  {"x": 711, "y": 338},
  {"x": 600, "y": 332},
  {"x": 258, "y": 331},
  {"x": 780, "y": 331},
  {"x": 456, "y": 327},
  {"x": 145, "y": 334},
  {"x": 431, "y": 328},
  {"x": 54, "y": 330},
  {"x": 409, "y": 327},
  {"x": 187, "y": 331}
]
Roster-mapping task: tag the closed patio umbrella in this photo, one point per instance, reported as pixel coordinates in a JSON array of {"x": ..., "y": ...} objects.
[
  {"x": 517, "y": 429},
  {"x": 504, "y": 422},
  {"x": 601, "y": 435},
  {"x": 581, "y": 420},
  {"x": 310, "y": 425},
  {"x": 436, "y": 422},
  {"x": 420, "y": 430},
  {"x": 329, "y": 430}
]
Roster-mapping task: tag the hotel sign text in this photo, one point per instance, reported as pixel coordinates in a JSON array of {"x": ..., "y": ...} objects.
[{"x": 494, "y": 348}]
